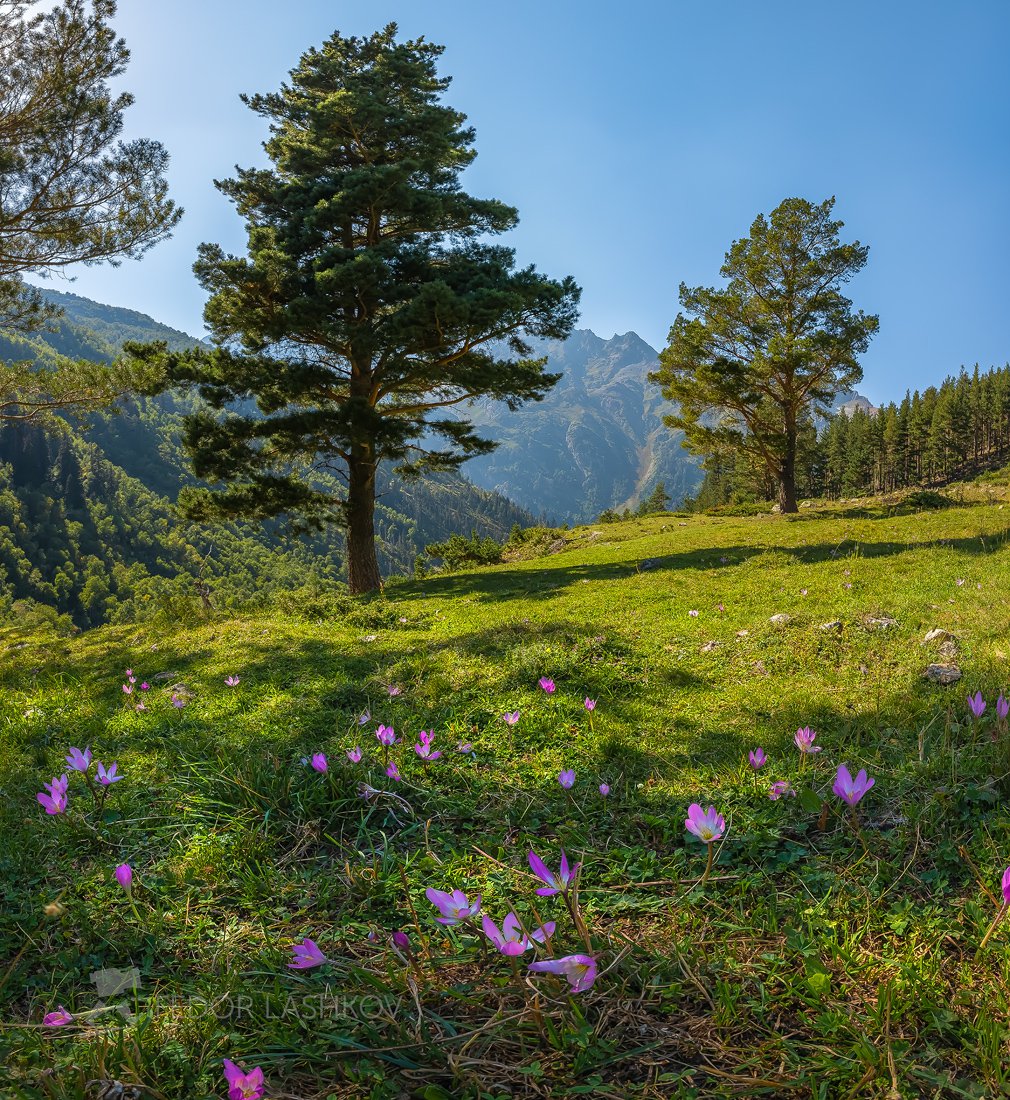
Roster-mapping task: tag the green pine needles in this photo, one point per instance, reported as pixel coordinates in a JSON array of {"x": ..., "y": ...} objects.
[{"x": 369, "y": 301}]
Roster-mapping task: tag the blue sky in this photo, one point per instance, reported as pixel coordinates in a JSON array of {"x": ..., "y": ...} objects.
[{"x": 639, "y": 139}]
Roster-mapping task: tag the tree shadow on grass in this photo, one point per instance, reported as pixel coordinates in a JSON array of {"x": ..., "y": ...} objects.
[{"x": 499, "y": 586}]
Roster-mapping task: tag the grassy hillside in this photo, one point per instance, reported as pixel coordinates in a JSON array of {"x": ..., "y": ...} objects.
[{"x": 827, "y": 954}]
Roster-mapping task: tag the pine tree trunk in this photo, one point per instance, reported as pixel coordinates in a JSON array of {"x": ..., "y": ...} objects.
[
  {"x": 362, "y": 565},
  {"x": 787, "y": 470}
]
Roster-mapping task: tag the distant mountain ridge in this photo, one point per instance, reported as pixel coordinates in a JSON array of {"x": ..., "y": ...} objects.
[{"x": 597, "y": 441}]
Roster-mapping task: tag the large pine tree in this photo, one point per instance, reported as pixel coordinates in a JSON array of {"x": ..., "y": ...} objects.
[{"x": 370, "y": 298}]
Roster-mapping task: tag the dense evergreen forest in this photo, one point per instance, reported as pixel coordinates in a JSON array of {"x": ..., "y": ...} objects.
[
  {"x": 946, "y": 433},
  {"x": 88, "y": 528}
]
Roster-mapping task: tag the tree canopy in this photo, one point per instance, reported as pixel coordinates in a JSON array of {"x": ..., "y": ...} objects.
[
  {"x": 70, "y": 191},
  {"x": 749, "y": 364},
  {"x": 370, "y": 299}
]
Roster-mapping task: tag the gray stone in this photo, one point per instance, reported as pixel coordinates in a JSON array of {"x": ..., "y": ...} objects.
[
  {"x": 938, "y": 634},
  {"x": 835, "y": 624},
  {"x": 942, "y": 674},
  {"x": 781, "y": 618}
]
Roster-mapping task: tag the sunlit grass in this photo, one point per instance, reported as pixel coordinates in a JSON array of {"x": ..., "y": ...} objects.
[{"x": 818, "y": 959}]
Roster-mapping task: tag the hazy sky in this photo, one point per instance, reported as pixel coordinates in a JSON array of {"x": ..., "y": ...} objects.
[{"x": 639, "y": 139}]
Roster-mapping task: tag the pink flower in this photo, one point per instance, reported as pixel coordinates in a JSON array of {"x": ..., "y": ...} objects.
[
  {"x": 559, "y": 883},
  {"x": 589, "y": 704},
  {"x": 305, "y": 955},
  {"x": 79, "y": 761},
  {"x": 720, "y": 607},
  {"x": 466, "y": 748},
  {"x": 364, "y": 718},
  {"x": 107, "y": 778},
  {"x": 59, "y": 1018},
  {"x": 1002, "y": 707},
  {"x": 804, "y": 739},
  {"x": 242, "y": 1085},
  {"x": 231, "y": 681},
  {"x": 454, "y": 907},
  {"x": 128, "y": 673},
  {"x": 1006, "y": 886},
  {"x": 124, "y": 876},
  {"x": 803, "y": 591},
  {"x": 580, "y": 970},
  {"x": 423, "y": 746},
  {"x": 707, "y": 826},
  {"x": 976, "y": 704},
  {"x": 393, "y": 771},
  {"x": 385, "y": 736},
  {"x": 145, "y": 686},
  {"x": 757, "y": 758},
  {"x": 848, "y": 789},
  {"x": 547, "y": 684},
  {"x": 320, "y": 763},
  {"x": 693, "y": 613},
  {"x": 127, "y": 689},
  {"x": 354, "y": 755},
  {"x": 604, "y": 789},
  {"x": 55, "y": 802},
  {"x": 567, "y": 779},
  {"x": 510, "y": 939},
  {"x": 510, "y": 719},
  {"x": 140, "y": 706},
  {"x": 393, "y": 691},
  {"x": 177, "y": 701},
  {"x": 779, "y": 789}
]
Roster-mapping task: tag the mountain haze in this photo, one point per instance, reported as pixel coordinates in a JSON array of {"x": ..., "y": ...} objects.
[{"x": 596, "y": 441}]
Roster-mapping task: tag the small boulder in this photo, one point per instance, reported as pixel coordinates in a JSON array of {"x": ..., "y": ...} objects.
[
  {"x": 942, "y": 674},
  {"x": 881, "y": 623},
  {"x": 835, "y": 625},
  {"x": 709, "y": 646},
  {"x": 781, "y": 618},
  {"x": 938, "y": 634}
]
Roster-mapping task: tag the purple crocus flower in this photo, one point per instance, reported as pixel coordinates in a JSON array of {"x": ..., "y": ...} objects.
[
  {"x": 1006, "y": 886},
  {"x": 393, "y": 771},
  {"x": 848, "y": 789},
  {"x": 804, "y": 739},
  {"x": 59, "y": 1018},
  {"x": 693, "y": 613},
  {"x": 319, "y": 762},
  {"x": 423, "y": 746},
  {"x": 757, "y": 758},
  {"x": 510, "y": 939},
  {"x": 454, "y": 907},
  {"x": 79, "y": 761},
  {"x": 231, "y": 681},
  {"x": 510, "y": 718},
  {"x": 107, "y": 778},
  {"x": 780, "y": 790},
  {"x": 604, "y": 789},
  {"x": 178, "y": 701},
  {"x": 354, "y": 755},
  {"x": 547, "y": 684},
  {"x": 128, "y": 672},
  {"x": 55, "y": 802},
  {"x": 580, "y": 970},
  {"x": 589, "y": 704},
  {"x": 401, "y": 941},
  {"x": 394, "y": 691},
  {"x": 306, "y": 955},
  {"x": 567, "y": 779},
  {"x": 364, "y": 718},
  {"x": 466, "y": 748},
  {"x": 127, "y": 689},
  {"x": 385, "y": 736},
  {"x": 124, "y": 876},
  {"x": 242, "y": 1085},
  {"x": 1002, "y": 707},
  {"x": 145, "y": 686},
  {"x": 706, "y": 825},
  {"x": 559, "y": 883},
  {"x": 976, "y": 704}
]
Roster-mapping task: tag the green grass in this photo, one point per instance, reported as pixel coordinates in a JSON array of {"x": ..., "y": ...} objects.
[{"x": 817, "y": 961}]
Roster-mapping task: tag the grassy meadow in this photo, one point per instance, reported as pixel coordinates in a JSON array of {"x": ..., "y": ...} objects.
[{"x": 827, "y": 954}]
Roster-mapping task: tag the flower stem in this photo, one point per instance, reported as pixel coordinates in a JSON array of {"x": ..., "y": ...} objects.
[
  {"x": 708, "y": 865},
  {"x": 995, "y": 924}
]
